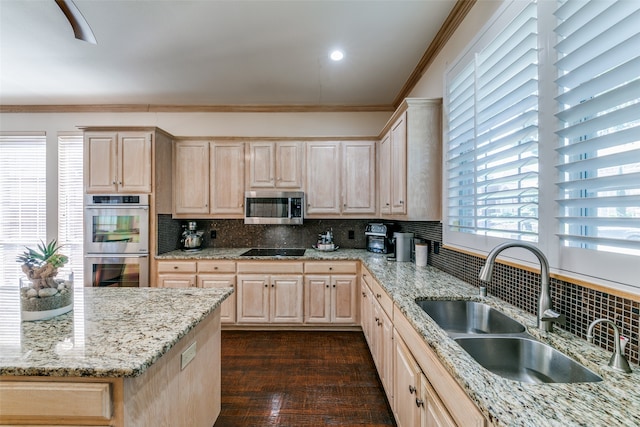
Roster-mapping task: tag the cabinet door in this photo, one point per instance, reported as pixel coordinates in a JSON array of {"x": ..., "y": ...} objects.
[
  {"x": 134, "y": 162},
  {"x": 317, "y": 295},
  {"x": 358, "y": 177},
  {"x": 323, "y": 178},
  {"x": 366, "y": 313},
  {"x": 261, "y": 164},
  {"x": 252, "y": 299},
  {"x": 191, "y": 177},
  {"x": 100, "y": 162},
  {"x": 228, "y": 307},
  {"x": 406, "y": 385},
  {"x": 286, "y": 299},
  {"x": 176, "y": 280},
  {"x": 289, "y": 159},
  {"x": 386, "y": 353},
  {"x": 385, "y": 175},
  {"x": 399, "y": 166},
  {"x": 344, "y": 302},
  {"x": 433, "y": 412},
  {"x": 227, "y": 179}
]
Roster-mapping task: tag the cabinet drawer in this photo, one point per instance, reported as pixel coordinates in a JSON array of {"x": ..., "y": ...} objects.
[
  {"x": 216, "y": 266},
  {"x": 177, "y": 267},
  {"x": 276, "y": 267},
  {"x": 379, "y": 294},
  {"x": 27, "y": 399},
  {"x": 330, "y": 267}
]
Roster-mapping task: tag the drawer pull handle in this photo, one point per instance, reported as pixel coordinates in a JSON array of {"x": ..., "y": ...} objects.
[
  {"x": 378, "y": 296},
  {"x": 419, "y": 402},
  {"x": 412, "y": 389},
  {"x": 364, "y": 295}
]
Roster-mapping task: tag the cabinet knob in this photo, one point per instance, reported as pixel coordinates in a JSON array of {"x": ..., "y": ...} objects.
[
  {"x": 377, "y": 319},
  {"x": 378, "y": 296},
  {"x": 419, "y": 402},
  {"x": 266, "y": 286},
  {"x": 402, "y": 202},
  {"x": 113, "y": 182},
  {"x": 215, "y": 268},
  {"x": 387, "y": 204},
  {"x": 120, "y": 183},
  {"x": 334, "y": 286},
  {"x": 364, "y": 295},
  {"x": 327, "y": 286},
  {"x": 175, "y": 267},
  {"x": 273, "y": 286},
  {"x": 330, "y": 268},
  {"x": 412, "y": 389}
]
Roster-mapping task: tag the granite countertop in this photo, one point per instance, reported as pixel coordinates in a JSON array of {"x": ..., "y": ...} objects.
[
  {"x": 111, "y": 332},
  {"x": 613, "y": 401}
]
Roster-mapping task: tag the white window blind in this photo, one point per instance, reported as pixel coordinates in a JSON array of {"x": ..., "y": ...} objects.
[
  {"x": 599, "y": 113},
  {"x": 22, "y": 199},
  {"x": 70, "y": 191},
  {"x": 492, "y": 136}
]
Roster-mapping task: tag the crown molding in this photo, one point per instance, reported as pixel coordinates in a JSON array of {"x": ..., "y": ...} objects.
[
  {"x": 165, "y": 108},
  {"x": 453, "y": 21}
]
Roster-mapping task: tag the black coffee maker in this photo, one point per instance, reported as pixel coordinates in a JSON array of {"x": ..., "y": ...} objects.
[{"x": 379, "y": 237}]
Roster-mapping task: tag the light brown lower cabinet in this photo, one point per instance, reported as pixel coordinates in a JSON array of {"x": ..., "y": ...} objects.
[
  {"x": 202, "y": 274},
  {"x": 331, "y": 298},
  {"x": 269, "y": 298},
  {"x": 444, "y": 403},
  {"x": 166, "y": 394}
]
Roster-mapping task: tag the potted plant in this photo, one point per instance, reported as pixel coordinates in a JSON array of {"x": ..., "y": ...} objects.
[{"x": 42, "y": 294}]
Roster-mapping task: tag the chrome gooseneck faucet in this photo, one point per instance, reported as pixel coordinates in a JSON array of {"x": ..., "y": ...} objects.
[
  {"x": 546, "y": 315},
  {"x": 617, "y": 361}
]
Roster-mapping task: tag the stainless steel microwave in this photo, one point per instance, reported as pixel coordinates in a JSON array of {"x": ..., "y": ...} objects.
[{"x": 273, "y": 207}]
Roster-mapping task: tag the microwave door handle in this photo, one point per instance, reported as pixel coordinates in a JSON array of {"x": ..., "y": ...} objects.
[{"x": 290, "y": 208}]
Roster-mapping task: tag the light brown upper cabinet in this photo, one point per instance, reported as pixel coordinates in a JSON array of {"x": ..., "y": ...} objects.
[
  {"x": 358, "y": 177},
  {"x": 275, "y": 165},
  {"x": 410, "y": 162},
  {"x": 208, "y": 179},
  {"x": 340, "y": 178},
  {"x": 118, "y": 162},
  {"x": 322, "y": 191}
]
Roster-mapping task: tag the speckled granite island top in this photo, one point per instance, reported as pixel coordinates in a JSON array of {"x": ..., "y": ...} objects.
[
  {"x": 112, "y": 332},
  {"x": 615, "y": 401}
]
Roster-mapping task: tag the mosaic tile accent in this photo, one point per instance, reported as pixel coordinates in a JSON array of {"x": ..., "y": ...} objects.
[
  {"x": 234, "y": 233},
  {"x": 581, "y": 305}
]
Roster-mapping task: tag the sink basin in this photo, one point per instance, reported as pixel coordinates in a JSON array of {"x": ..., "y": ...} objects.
[
  {"x": 525, "y": 360},
  {"x": 469, "y": 317}
]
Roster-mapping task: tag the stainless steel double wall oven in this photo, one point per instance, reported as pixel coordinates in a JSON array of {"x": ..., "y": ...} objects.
[{"x": 116, "y": 240}]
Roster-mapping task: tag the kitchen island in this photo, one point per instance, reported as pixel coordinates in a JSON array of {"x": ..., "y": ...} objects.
[
  {"x": 122, "y": 357},
  {"x": 502, "y": 402}
]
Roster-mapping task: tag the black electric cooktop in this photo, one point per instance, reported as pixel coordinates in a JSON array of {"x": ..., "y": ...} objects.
[{"x": 274, "y": 252}]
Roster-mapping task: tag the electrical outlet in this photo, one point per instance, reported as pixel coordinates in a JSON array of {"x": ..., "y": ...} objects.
[
  {"x": 352, "y": 234},
  {"x": 187, "y": 356},
  {"x": 213, "y": 234}
]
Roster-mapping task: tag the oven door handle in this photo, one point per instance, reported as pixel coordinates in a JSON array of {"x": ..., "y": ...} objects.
[
  {"x": 145, "y": 207},
  {"x": 109, "y": 255}
]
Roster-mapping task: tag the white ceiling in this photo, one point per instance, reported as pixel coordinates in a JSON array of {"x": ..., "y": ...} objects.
[{"x": 215, "y": 52}]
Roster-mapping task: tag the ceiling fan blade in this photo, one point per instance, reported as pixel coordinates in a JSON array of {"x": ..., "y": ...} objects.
[{"x": 81, "y": 28}]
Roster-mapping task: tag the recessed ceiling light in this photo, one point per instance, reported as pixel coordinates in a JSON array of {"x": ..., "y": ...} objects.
[{"x": 336, "y": 55}]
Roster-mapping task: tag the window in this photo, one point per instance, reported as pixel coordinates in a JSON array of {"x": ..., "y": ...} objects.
[
  {"x": 22, "y": 199},
  {"x": 599, "y": 133},
  {"x": 70, "y": 191},
  {"x": 550, "y": 156},
  {"x": 492, "y": 137}
]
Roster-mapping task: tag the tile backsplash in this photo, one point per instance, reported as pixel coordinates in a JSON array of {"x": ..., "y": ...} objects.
[
  {"x": 581, "y": 305},
  {"x": 234, "y": 233}
]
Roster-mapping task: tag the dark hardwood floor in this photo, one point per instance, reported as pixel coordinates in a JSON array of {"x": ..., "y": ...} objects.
[{"x": 300, "y": 378}]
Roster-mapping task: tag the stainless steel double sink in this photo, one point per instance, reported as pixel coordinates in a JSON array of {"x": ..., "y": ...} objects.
[{"x": 502, "y": 345}]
